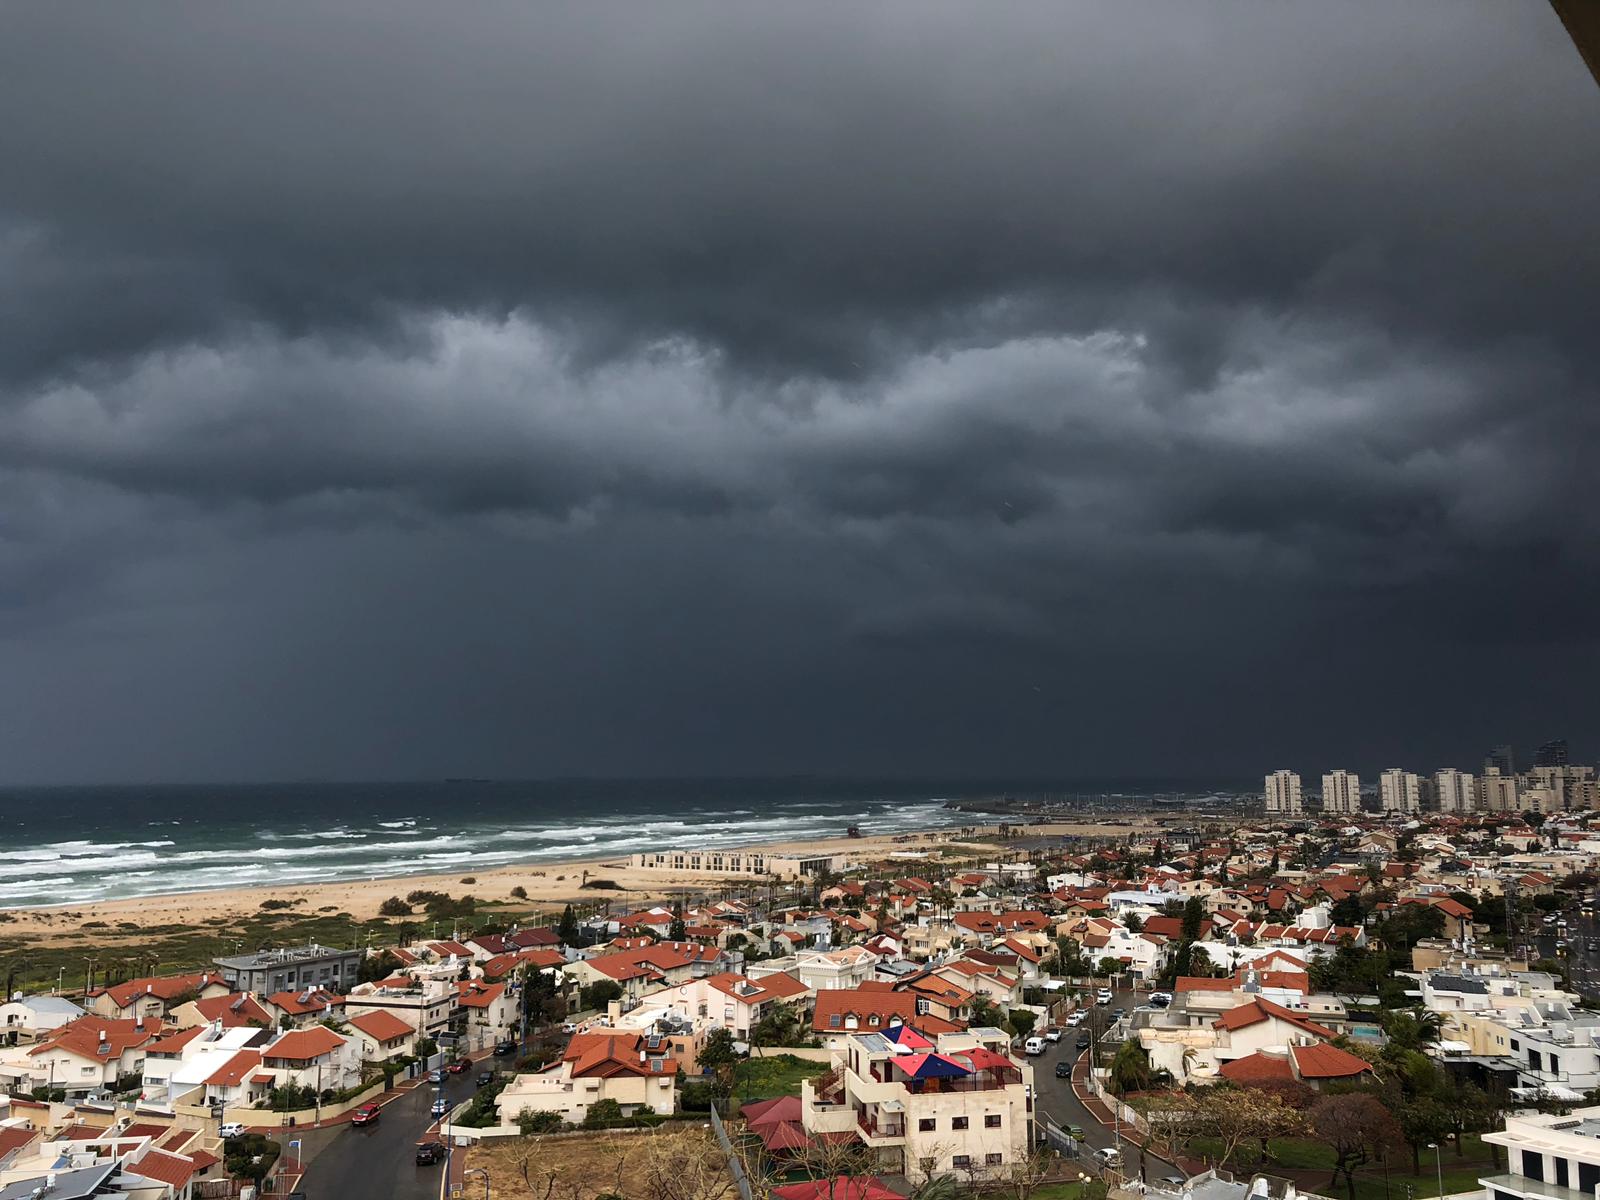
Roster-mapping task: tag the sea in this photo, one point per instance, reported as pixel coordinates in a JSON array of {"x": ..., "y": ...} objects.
[{"x": 75, "y": 845}]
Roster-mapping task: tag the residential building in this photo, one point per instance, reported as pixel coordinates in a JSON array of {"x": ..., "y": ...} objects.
[
  {"x": 820, "y": 970},
  {"x": 875, "y": 1008},
  {"x": 427, "y": 1007},
  {"x": 736, "y": 1002},
  {"x": 1501, "y": 759},
  {"x": 1552, "y": 754},
  {"x": 1400, "y": 791},
  {"x": 382, "y": 1035},
  {"x": 29, "y": 1018},
  {"x": 1544, "y": 1152},
  {"x": 1457, "y": 791},
  {"x": 1499, "y": 791},
  {"x": 491, "y": 1009},
  {"x": 958, "y": 1104},
  {"x": 739, "y": 862},
  {"x": 91, "y": 1054},
  {"x": 152, "y": 998},
  {"x": 597, "y": 1066},
  {"x": 317, "y": 1058},
  {"x": 1284, "y": 797},
  {"x": 1341, "y": 792},
  {"x": 291, "y": 969}
]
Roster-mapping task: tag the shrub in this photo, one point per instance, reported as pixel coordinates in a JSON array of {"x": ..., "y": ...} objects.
[
  {"x": 519, "y": 892},
  {"x": 394, "y": 907},
  {"x": 601, "y": 1113},
  {"x": 538, "y": 1122},
  {"x": 250, "y": 1156},
  {"x": 599, "y": 994},
  {"x": 469, "y": 879}
]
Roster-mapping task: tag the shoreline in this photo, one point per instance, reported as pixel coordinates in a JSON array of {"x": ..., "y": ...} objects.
[{"x": 548, "y": 884}]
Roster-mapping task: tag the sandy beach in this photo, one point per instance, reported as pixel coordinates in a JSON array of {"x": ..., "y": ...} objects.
[{"x": 547, "y": 885}]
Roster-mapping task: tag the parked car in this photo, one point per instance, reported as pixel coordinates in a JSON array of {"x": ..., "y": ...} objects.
[
  {"x": 485, "y": 1078},
  {"x": 1108, "y": 1156},
  {"x": 429, "y": 1153},
  {"x": 1161, "y": 999},
  {"x": 1052, "y": 1034},
  {"x": 439, "y": 1107},
  {"x": 1074, "y": 1019},
  {"x": 232, "y": 1130},
  {"x": 365, "y": 1115},
  {"x": 1175, "y": 1181},
  {"x": 1104, "y": 996},
  {"x": 1033, "y": 1047},
  {"x": 1063, "y": 1069},
  {"x": 436, "y": 1075},
  {"x": 459, "y": 1067},
  {"x": 504, "y": 1049},
  {"x": 1075, "y": 1132},
  {"x": 569, "y": 1027},
  {"x": 1083, "y": 1041}
]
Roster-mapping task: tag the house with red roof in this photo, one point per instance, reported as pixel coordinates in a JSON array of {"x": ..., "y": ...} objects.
[
  {"x": 296, "y": 1010},
  {"x": 381, "y": 1035},
  {"x": 870, "y": 1009},
  {"x": 1315, "y": 1064},
  {"x": 153, "y": 997},
  {"x": 738, "y": 1002},
  {"x": 92, "y": 1053},
  {"x": 643, "y": 969},
  {"x": 610, "y": 1065},
  {"x": 230, "y": 1010},
  {"x": 491, "y": 1010},
  {"x": 315, "y": 1057}
]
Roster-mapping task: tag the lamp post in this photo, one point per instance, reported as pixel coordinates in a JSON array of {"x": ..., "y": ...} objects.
[
  {"x": 470, "y": 1171},
  {"x": 1438, "y": 1166}
]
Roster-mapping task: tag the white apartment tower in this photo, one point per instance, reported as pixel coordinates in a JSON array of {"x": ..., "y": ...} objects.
[
  {"x": 1341, "y": 792},
  {"x": 1400, "y": 791},
  {"x": 1457, "y": 790},
  {"x": 1499, "y": 791},
  {"x": 1283, "y": 793}
]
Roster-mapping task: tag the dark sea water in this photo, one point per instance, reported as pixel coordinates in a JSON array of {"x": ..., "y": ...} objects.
[{"x": 71, "y": 845}]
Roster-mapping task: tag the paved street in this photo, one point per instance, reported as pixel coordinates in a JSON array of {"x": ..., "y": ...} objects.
[
  {"x": 1057, "y": 1100},
  {"x": 377, "y": 1162},
  {"x": 1585, "y": 963}
]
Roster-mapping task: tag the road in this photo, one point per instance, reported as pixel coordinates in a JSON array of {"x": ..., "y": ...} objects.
[
  {"x": 378, "y": 1161},
  {"x": 1058, "y": 1101},
  {"x": 1584, "y": 963}
]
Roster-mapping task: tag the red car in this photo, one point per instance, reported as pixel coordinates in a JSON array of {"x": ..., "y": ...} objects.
[
  {"x": 458, "y": 1067},
  {"x": 365, "y": 1115}
]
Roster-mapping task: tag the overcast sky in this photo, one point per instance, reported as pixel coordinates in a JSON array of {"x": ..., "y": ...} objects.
[{"x": 402, "y": 390}]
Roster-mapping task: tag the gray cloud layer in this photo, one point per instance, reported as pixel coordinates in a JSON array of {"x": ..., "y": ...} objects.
[{"x": 391, "y": 391}]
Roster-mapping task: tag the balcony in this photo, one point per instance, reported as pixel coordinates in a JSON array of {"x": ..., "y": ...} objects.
[
  {"x": 877, "y": 1133},
  {"x": 1530, "y": 1189}
]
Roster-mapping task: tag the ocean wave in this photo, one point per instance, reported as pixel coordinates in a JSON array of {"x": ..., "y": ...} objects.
[{"x": 398, "y": 824}]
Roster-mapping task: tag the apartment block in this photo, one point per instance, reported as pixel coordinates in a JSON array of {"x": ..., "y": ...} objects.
[
  {"x": 1400, "y": 791},
  {"x": 1283, "y": 793}
]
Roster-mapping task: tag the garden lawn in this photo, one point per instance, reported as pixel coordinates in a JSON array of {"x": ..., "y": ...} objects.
[
  {"x": 773, "y": 1075},
  {"x": 1310, "y": 1164}
]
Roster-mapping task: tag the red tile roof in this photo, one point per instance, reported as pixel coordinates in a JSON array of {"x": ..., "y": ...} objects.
[
  {"x": 866, "y": 1003},
  {"x": 171, "y": 1169},
  {"x": 599, "y": 1055},
  {"x": 233, "y": 1072},
  {"x": 302, "y": 1045},
  {"x": 318, "y": 1000},
  {"x": 1257, "y": 1068},
  {"x": 1327, "y": 1062},
  {"x": 83, "y": 1037},
  {"x": 14, "y": 1138},
  {"x": 1261, "y": 1009},
  {"x": 381, "y": 1025},
  {"x": 233, "y": 1009}
]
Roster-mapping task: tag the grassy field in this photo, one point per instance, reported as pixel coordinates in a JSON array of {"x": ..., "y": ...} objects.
[
  {"x": 768, "y": 1077},
  {"x": 1310, "y": 1163},
  {"x": 583, "y": 1167}
]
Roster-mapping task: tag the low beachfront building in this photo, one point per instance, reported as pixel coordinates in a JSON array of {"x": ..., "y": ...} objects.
[
  {"x": 740, "y": 862},
  {"x": 289, "y": 969},
  {"x": 596, "y": 1067},
  {"x": 955, "y": 1104}
]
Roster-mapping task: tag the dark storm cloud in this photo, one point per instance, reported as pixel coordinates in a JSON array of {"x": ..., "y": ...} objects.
[{"x": 899, "y": 361}]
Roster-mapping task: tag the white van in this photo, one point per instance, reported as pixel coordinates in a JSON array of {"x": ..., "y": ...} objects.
[{"x": 1034, "y": 1046}]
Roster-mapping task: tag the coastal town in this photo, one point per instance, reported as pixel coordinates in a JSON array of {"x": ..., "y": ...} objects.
[{"x": 1350, "y": 993}]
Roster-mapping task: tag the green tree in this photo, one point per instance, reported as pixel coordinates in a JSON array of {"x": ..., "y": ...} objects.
[
  {"x": 1355, "y": 1126},
  {"x": 567, "y": 929},
  {"x": 599, "y": 994},
  {"x": 1134, "y": 923},
  {"x": 1193, "y": 917},
  {"x": 1022, "y": 1022},
  {"x": 1130, "y": 1068},
  {"x": 377, "y": 966}
]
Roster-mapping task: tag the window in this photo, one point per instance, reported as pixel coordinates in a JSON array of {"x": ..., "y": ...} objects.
[
  {"x": 835, "y": 1021},
  {"x": 991, "y": 1120},
  {"x": 961, "y": 1160},
  {"x": 958, "y": 1122},
  {"x": 927, "y": 1125},
  {"x": 873, "y": 1020},
  {"x": 993, "y": 1160}
]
